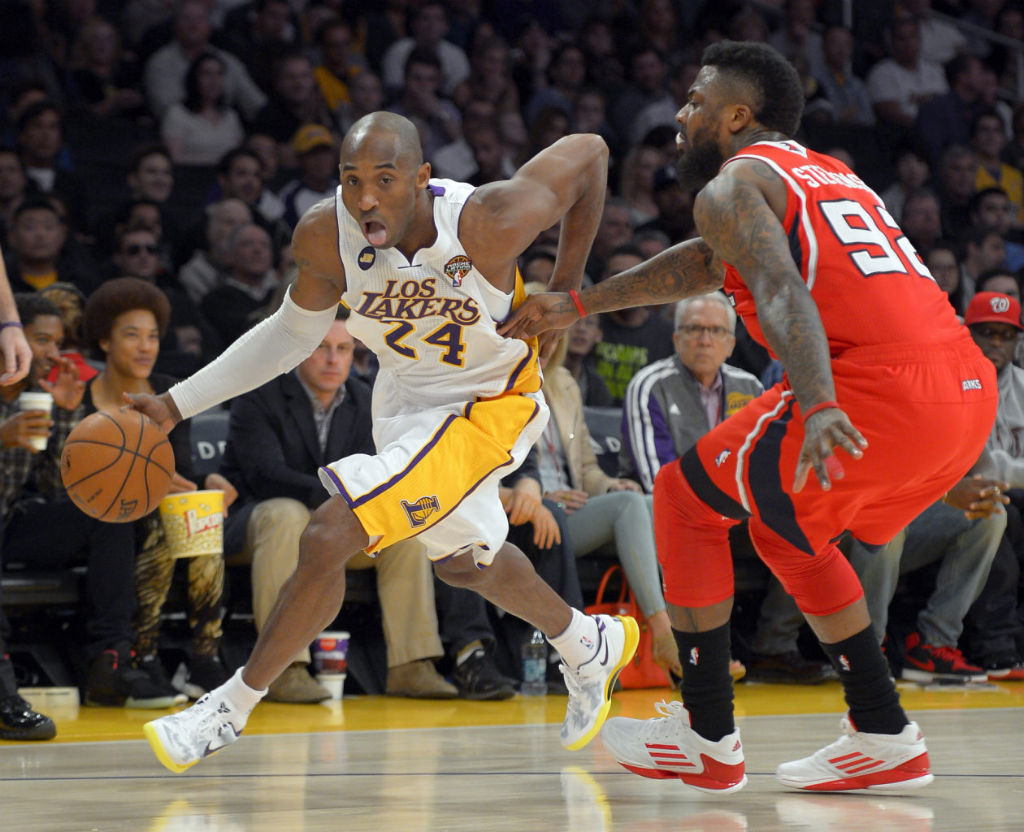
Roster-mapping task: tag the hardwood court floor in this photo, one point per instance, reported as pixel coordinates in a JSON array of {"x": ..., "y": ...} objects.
[{"x": 377, "y": 764}]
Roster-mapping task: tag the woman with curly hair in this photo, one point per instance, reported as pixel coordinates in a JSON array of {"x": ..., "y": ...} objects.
[{"x": 124, "y": 321}]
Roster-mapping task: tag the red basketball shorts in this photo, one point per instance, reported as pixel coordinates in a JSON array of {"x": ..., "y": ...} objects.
[{"x": 926, "y": 412}]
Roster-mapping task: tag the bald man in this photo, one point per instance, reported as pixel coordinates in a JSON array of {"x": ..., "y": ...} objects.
[{"x": 428, "y": 269}]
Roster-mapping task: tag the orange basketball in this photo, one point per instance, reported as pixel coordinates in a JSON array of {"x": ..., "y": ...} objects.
[{"x": 117, "y": 466}]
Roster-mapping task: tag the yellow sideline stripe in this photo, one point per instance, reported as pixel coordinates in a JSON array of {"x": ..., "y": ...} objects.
[{"x": 389, "y": 713}]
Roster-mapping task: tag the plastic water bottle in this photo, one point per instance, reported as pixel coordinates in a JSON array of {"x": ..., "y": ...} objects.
[{"x": 535, "y": 663}]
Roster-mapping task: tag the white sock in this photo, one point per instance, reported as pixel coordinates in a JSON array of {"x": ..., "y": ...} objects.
[
  {"x": 577, "y": 643},
  {"x": 243, "y": 697}
]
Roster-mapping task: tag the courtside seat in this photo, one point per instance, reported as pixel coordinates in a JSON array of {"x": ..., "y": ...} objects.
[
  {"x": 34, "y": 590},
  {"x": 41, "y": 607}
]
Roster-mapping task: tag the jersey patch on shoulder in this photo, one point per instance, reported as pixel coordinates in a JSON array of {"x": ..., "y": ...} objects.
[{"x": 366, "y": 257}]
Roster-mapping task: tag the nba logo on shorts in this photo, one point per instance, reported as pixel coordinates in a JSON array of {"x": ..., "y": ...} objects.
[
  {"x": 457, "y": 268},
  {"x": 419, "y": 511}
]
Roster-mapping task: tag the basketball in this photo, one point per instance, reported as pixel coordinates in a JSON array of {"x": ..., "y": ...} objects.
[{"x": 117, "y": 466}]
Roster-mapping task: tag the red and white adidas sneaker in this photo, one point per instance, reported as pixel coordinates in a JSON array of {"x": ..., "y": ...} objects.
[
  {"x": 667, "y": 747},
  {"x": 858, "y": 760}
]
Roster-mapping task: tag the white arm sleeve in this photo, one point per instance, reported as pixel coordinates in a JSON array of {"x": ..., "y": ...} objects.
[{"x": 272, "y": 347}]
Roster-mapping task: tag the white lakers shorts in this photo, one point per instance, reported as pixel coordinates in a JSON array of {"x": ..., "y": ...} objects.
[{"x": 436, "y": 474}]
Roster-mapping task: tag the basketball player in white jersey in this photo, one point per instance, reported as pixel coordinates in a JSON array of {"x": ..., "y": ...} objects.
[{"x": 428, "y": 267}]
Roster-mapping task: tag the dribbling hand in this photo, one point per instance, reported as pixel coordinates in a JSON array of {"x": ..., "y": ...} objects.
[
  {"x": 161, "y": 409},
  {"x": 825, "y": 431}
]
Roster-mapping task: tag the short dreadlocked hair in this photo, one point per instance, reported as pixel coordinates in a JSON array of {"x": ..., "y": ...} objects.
[{"x": 778, "y": 91}]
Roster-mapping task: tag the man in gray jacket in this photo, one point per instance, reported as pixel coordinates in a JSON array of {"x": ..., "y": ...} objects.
[{"x": 668, "y": 406}]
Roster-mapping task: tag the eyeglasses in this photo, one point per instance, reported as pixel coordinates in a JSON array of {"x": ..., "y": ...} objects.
[
  {"x": 136, "y": 248},
  {"x": 992, "y": 334},
  {"x": 719, "y": 333}
]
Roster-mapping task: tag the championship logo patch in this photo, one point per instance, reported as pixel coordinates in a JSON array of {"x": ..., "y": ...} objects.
[
  {"x": 366, "y": 257},
  {"x": 457, "y": 268},
  {"x": 419, "y": 511}
]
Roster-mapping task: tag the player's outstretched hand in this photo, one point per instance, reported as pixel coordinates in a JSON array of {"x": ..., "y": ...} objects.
[
  {"x": 540, "y": 312},
  {"x": 825, "y": 431},
  {"x": 161, "y": 409}
]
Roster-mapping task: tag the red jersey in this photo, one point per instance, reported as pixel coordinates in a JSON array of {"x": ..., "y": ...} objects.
[{"x": 870, "y": 285}]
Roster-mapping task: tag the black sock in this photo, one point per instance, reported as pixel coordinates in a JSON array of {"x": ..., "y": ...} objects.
[
  {"x": 707, "y": 686},
  {"x": 869, "y": 690}
]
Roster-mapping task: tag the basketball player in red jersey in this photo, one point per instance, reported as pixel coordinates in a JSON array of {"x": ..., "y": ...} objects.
[{"x": 877, "y": 368}]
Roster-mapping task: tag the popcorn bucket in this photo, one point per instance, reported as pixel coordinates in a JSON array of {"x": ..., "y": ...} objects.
[{"x": 194, "y": 523}]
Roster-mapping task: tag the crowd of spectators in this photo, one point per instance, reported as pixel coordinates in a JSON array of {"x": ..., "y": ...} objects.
[{"x": 178, "y": 143}]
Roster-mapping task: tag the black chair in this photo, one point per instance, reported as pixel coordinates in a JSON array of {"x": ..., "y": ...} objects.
[
  {"x": 605, "y": 426},
  {"x": 209, "y": 437}
]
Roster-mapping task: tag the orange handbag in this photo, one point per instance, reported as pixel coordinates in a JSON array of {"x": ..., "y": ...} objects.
[{"x": 642, "y": 671}]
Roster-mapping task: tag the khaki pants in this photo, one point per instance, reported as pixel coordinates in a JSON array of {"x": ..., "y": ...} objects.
[{"x": 405, "y": 584}]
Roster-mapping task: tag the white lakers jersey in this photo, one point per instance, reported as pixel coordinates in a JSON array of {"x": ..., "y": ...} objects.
[{"x": 432, "y": 321}]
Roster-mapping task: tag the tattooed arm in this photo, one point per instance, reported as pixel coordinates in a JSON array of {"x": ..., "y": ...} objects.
[
  {"x": 687, "y": 269},
  {"x": 736, "y": 216}
]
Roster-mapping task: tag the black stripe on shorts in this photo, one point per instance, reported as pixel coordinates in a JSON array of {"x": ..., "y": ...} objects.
[{"x": 703, "y": 487}]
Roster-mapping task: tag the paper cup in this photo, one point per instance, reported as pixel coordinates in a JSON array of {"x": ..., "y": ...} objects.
[
  {"x": 37, "y": 400},
  {"x": 330, "y": 652},
  {"x": 194, "y": 523},
  {"x": 334, "y": 682}
]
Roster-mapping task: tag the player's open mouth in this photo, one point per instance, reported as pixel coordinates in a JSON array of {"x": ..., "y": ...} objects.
[
  {"x": 680, "y": 141},
  {"x": 376, "y": 233}
]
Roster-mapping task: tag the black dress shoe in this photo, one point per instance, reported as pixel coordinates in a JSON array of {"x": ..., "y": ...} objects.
[
  {"x": 19, "y": 722},
  {"x": 788, "y": 669},
  {"x": 479, "y": 678}
]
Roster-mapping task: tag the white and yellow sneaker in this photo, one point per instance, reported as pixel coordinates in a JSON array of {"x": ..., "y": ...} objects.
[
  {"x": 181, "y": 740},
  {"x": 590, "y": 685}
]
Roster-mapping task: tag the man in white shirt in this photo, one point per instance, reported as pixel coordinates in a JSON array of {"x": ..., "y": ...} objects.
[
  {"x": 165, "y": 71},
  {"x": 897, "y": 85},
  {"x": 428, "y": 26}
]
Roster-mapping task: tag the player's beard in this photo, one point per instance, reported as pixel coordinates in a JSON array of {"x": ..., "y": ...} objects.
[{"x": 699, "y": 164}]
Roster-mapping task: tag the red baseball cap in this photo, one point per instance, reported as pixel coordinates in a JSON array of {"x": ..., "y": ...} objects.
[{"x": 993, "y": 307}]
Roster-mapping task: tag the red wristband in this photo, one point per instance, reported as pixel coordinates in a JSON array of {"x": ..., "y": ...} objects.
[
  {"x": 579, "y": 304},
  {"x": 819, "y": 406}
]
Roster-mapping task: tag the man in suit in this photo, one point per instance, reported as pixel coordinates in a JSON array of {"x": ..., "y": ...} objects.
[{"x": 279, "y": 435}]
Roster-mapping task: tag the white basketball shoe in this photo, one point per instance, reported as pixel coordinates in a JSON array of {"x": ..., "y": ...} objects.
[
  {"x": 590, "y": 685},
  {"x": 667, "y": 747},
  {"x": 858, "y": 760},
  {"x": 181, "y": 740}
]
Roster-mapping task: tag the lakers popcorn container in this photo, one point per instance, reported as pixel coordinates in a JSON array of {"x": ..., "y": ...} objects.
[{"x": 194, "y": 523}]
